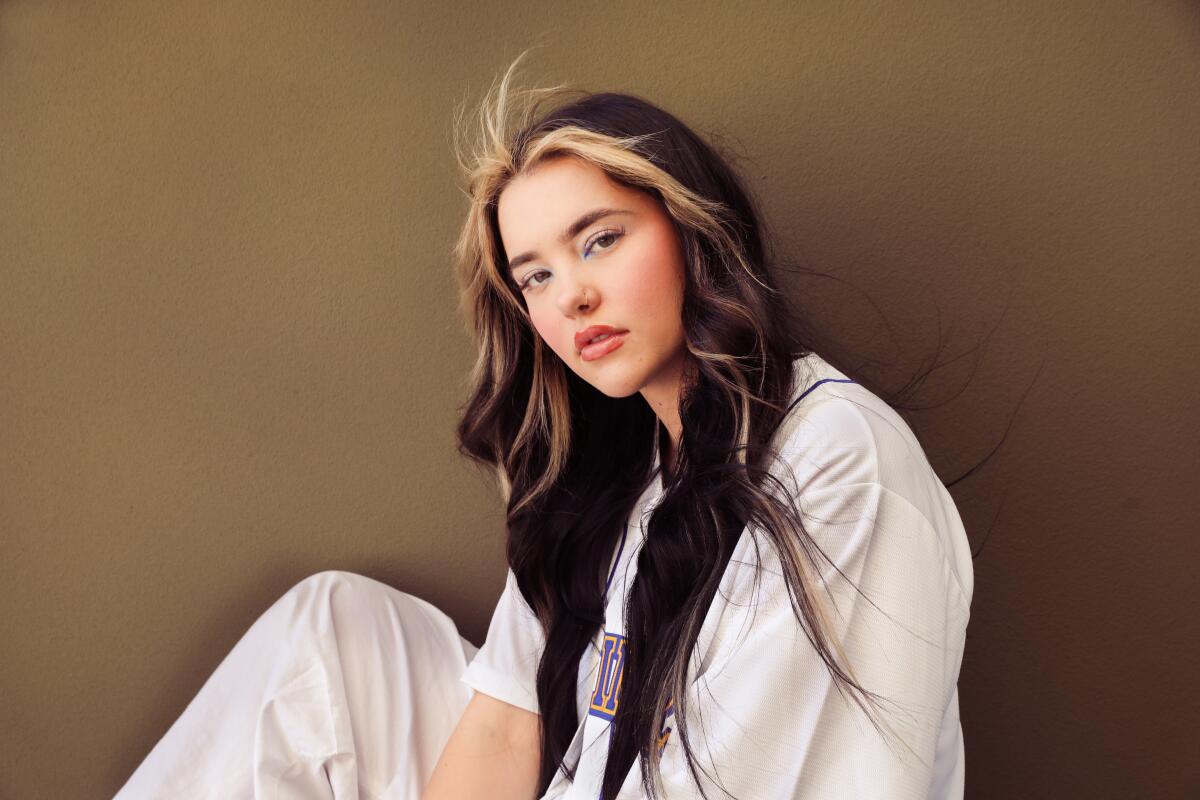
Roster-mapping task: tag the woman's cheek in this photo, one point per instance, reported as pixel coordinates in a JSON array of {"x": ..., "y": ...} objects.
[
  {"x": 545, "y": 332},
  {"x": 650, "y": 291}
]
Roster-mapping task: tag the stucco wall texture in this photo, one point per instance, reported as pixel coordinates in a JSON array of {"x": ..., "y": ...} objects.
[{"x": 231, "y": 355}]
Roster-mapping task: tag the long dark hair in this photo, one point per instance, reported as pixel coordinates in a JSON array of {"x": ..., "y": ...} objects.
[{"x": 571, "y": 462}]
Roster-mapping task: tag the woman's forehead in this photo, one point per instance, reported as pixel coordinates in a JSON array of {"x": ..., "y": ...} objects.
[
  {"x": 538, "y": 205},
  {"x": 561, "y": 179}
]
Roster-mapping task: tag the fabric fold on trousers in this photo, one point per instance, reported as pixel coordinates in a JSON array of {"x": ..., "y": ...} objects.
[{"x": 344, "y": 689}]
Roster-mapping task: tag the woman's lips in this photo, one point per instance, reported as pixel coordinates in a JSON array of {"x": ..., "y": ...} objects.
[{"x": 593, "y": 351}]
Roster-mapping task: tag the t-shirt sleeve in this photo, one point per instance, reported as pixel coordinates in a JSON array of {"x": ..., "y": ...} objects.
[
  {"x": 765, "y": 717},
  {"x": 506, "y": 666}
]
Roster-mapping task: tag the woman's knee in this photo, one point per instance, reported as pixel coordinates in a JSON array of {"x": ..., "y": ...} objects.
[
  {"x": 350, "y": 594},
  {"x": 374, "y": 626},
  {"x": 334, "y": 585},
  {"x": 326, "y": 580}
]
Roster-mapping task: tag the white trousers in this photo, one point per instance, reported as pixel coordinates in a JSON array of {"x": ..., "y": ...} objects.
[{"x": 344, "y": 688}]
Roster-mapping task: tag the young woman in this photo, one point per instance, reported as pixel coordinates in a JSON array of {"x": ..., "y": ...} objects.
[{"x": 732, "y": 571}]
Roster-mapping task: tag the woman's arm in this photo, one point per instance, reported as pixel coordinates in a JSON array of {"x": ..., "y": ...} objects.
[
  {"x": 493, "y": 754},
  {"x": 766, "y": 714}
]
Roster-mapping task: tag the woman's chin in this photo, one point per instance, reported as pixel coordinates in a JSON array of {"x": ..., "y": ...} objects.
[{"x": 614, "y": 386}]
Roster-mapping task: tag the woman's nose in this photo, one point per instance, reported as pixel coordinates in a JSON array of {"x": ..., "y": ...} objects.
[{"x": 577, "y": 298}]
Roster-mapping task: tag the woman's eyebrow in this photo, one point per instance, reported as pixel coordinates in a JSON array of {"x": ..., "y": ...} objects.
[{"x": 571, "y": 232}]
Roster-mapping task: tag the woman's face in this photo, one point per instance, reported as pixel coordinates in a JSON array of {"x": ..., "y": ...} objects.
[{"x": 576, "y": 270}]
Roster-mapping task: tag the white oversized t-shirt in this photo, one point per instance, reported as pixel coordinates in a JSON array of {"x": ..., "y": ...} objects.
[{"x": 764, "y": 716}]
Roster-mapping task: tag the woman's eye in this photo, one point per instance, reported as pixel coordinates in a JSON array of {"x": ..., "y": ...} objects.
[
  {"x": 529, "y": 282},
  {"x": 610, "y": 236}
]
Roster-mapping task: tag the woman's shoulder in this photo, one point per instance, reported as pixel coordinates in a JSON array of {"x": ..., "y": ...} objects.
[
  {"x": 843, "y": 443},
  {"x": 837, "y": 432},
  {"x": 829, "y": 410}
]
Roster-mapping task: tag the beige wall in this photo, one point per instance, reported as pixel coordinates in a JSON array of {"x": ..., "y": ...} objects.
[{"x": 230, "y": 354}]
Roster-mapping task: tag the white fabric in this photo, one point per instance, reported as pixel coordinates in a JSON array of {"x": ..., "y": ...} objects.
[
  {"x": 344, "y": 688},
  {"x": 764, "y": 715}
]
